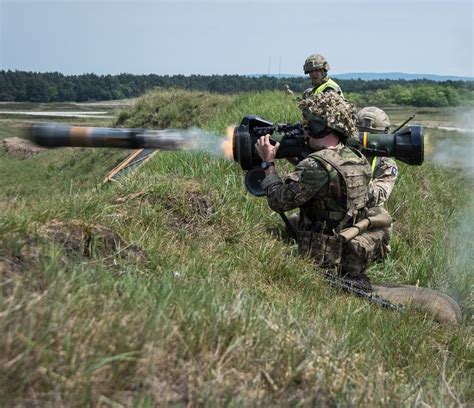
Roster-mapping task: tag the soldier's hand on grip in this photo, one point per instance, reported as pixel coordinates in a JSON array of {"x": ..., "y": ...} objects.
[{"x": 267, "y": 148}]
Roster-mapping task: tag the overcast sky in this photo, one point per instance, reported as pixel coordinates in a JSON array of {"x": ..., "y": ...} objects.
[{"x": 236, "y": 36}]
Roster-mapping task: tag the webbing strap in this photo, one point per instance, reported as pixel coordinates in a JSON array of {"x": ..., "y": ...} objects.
[{"x": 374, "y": 162}]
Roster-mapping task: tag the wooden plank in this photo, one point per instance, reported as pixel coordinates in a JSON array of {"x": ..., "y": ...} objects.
[{"x": 131, "y": 162}]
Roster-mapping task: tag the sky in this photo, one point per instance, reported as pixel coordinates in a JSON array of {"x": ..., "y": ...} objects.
[{"x": 167, "y": 37}]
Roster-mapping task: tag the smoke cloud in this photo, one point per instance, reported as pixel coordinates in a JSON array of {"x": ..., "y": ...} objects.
[
  {"x": 199, "y": 140},
  {"x": 455, "y": 149}
]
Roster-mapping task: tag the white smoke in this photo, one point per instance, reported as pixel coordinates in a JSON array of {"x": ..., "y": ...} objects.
[
  {"x": 455, "y": 149},
  {"x": 192, "y": 139},
  {"x": 199, "y": 140}
]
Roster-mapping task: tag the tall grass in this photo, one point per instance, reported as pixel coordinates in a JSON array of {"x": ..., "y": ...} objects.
[{"x": 221, "y": 310}]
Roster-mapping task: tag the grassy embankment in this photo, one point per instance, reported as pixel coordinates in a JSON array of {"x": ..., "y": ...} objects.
[{"x": 216, "y": 308}]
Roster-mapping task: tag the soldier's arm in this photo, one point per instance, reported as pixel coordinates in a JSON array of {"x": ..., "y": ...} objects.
[
  {"x": 383, "y": 181},
  {"x": 297, "y": 188}
]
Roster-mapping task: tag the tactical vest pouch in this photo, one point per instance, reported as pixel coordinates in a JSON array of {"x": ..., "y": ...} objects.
[
  {"x": 326, "y": 250},
  {"x": 361, "y": 251}
]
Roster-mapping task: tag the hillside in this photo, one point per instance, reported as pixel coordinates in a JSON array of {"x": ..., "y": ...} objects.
[{"x": 173, "y": 286}]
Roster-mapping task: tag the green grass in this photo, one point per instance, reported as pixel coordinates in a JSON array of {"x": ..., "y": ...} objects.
[{"x": 220, "y": 310}]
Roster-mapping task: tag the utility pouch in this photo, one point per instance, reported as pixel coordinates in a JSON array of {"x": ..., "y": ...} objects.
[{"x": 326, "y": 250}]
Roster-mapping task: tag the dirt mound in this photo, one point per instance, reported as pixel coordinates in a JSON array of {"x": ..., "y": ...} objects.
[
  {"x": 21, "y": 148},
  {"x": 77, "y": 237}
]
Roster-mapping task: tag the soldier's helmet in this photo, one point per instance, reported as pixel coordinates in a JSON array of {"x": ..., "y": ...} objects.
[
  {"x": 331, "y": 110},
  {"x": 315, "y": 61},
  {"x": 372, "y": 119}
]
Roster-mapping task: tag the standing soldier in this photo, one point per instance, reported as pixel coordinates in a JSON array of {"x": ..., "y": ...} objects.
[
  {"x": 384, "y": 169},
  {"x": 330, "y": 187},
  {"x": 317, "y": 67}
]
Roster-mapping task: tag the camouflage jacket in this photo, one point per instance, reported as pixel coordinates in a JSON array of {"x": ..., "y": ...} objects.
[
  {"x": 317, "y": 188},
  {"x": 384, "y": 175}
]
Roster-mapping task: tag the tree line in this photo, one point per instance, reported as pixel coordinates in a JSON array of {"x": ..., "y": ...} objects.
[{"x": 22, "y": 86}]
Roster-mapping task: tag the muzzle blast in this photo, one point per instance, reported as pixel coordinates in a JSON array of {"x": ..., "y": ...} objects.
[{"x": 405, "y": 145}]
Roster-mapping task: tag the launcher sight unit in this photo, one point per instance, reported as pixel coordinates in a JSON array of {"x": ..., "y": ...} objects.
[{"x": 405, "y": 145}]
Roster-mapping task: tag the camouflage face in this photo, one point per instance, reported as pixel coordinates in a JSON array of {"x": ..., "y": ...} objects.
[
  {"x": 331, "y": 109},
  {"x": 315, "y": 61},
  {"x": 373, "y": 120}
]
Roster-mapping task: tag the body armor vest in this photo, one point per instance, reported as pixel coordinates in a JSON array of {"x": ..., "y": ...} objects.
[
  {"x": 340, "y": 203},
  {"x": 346, "y": 195}
]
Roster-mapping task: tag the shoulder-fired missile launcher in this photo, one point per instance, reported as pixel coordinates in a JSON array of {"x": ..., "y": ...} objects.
[{"x": 405, "y": 145}]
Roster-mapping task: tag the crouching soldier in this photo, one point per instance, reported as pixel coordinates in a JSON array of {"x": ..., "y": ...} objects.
[{"x": 330, "y": 187}]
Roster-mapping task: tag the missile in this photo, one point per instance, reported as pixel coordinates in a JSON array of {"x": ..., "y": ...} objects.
[{"x": 58, "y": 135}]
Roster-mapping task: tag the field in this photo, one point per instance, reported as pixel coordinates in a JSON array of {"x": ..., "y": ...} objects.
[{"x": 173, "y": 286}]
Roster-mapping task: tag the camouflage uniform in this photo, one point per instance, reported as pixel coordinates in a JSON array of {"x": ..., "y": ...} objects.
[
  {"x": 384, "y": 169},
  {"x": 330, "y": 187},
  {"x": 314, "y": 62},
  {"x": 384, "y": 175},
  {"x": 320, "y": 191}
]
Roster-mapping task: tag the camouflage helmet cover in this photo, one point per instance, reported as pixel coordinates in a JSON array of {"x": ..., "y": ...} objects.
[
  {"x": 330, "y": 108},
  {"x": 372, "y": 119},
  {"x": 315, "y": 61}
]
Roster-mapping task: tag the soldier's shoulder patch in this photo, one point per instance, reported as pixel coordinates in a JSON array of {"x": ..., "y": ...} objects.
[{"x": 394, "y": 171}]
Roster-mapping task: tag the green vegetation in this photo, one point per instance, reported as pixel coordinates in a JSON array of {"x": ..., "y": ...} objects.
[
  {"x": 204, "y": 302},
  {"x": 434, "y": 95},
  {"x": 173, "y": 108},
  {"x": 23, "y": 86}
]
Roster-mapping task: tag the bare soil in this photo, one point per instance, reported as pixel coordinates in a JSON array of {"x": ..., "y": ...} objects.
[{"x": 21, "y": 148}]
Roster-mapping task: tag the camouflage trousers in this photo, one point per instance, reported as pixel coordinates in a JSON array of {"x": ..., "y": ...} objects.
[{"x": 350, "y": 258}]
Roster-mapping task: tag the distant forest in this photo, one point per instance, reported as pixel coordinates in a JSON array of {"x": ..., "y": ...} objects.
[{"x": 21, "y": 86}]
